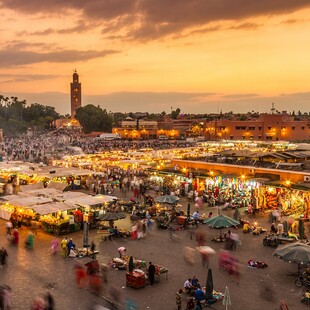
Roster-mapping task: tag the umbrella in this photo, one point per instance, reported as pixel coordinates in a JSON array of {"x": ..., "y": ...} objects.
[
  {"x": 205, "y": 250},
  {"x": 167, "y": 199},
  {"x": 130, "y": 264},
  {"x": 209, "y": 285},
  {"x": 112, "y": 216},
  {"x": 298, "y": 253},
  {"x": 226, "y": 299},
  {"x": 221, "y": 221}
]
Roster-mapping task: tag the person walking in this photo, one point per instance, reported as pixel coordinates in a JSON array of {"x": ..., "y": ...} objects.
[
  {"x": 178, "y": 299},
  {"x": 50, "y": 302},
  {"x": 151, "y": 272},
  {"x": 55, "y": 244},
  {"x": 64, "y": 248},
  {"x": 3, "y": 257}
]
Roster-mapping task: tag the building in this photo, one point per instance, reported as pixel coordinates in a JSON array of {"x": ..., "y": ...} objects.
[
  {"x": 136, "y": 129},
  {"x": 264, "y": 127},
  {"x": 76, "y": 94}
]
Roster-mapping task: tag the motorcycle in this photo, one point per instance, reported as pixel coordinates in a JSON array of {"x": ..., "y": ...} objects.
[
  {"x": 270, "y": 240},
  {"x": 303, "y": 280}
]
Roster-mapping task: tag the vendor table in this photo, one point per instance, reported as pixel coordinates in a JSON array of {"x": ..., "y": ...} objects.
[
  {"x": 135, "y": 280},
  {"x": 105, "y": 233},
  {"x": 159, "y": 270}
]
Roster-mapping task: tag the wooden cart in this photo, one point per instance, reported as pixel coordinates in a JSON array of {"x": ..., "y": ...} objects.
[{"x": 135, "y": 280}]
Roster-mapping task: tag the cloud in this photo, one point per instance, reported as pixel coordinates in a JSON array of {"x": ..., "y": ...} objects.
[
  {"x": 19, "y": 54},
  {"x": 80, "y": 27},
  {"x": 152, "y": 19},
  {"x": 16, "y": 78},
  {"x": 239, "y": 96}
]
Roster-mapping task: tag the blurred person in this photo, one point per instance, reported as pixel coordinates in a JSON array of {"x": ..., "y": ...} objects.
[
  {"x": 7, "y": 297},
  {"x": 70, "y": 246},
  {"x": 151, "y": 272},
  {"x": 200, "y": 238},
  {"x": 80, "y": 275},
  {"x": 199, "y": 294},
  {"x": 198, "y": 305},
  {"x": 121, "y": 251},
  {"x": 50, "y": 302},
  {"x": 189, "y": 255},
  {"x": 190, "y": 304},
  {"x": 54, "y": 247},
  {"x": 63, "y": 245},
  {"x": 9, "y": 227},
  {"x": 195, "y": 282},
  {"x": 29, "y": 241},
  {"x": 15, "y": 233},
  {"x": 3, "y": 257},
  {"x": 188, "y": 287},
  {"x": 38, "y": 304},
  {"x": 178, "y": 299}
]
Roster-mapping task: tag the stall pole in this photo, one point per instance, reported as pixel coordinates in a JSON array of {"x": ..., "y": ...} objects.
[{"x": 85, "y": 236}]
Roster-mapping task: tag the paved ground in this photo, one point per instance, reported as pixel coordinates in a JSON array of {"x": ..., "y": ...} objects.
[{"x": 30, "y": 272}]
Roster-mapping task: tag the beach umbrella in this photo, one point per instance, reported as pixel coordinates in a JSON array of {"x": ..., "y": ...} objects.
[
  {"x": 209, "y": 285},
  {"x": 221, "y": 221},
  {"x": 112, "y": 216},
  {"x": 130, "y": 264},
  {"x": 169, "y": 199},
  {"x": 298, "y": 253},
  {"x": 226, "y": 299}
]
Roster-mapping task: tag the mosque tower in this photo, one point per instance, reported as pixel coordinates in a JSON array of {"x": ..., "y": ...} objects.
[{"x": 76, "y": 94}]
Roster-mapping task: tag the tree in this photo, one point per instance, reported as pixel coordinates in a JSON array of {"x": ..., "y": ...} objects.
[
  {"x": 93, "y": 118},
  {"x": 175, "y": 114}
]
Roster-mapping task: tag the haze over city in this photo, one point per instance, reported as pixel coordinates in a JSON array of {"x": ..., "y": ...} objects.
[{"x": 201, "y": 56}]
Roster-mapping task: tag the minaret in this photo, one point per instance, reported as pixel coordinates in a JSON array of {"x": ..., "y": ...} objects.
[{"x": 76, "y": 94}]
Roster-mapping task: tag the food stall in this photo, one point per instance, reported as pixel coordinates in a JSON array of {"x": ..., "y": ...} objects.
[{"x": 56, "y": 218}]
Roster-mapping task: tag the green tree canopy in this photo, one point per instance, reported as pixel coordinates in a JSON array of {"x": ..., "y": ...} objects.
[
  {"x": 93, "y": 118},
  {"x": 16, "y": 117}
]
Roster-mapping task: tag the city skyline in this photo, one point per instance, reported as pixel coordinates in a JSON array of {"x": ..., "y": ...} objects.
[{"x": 202, "y": 56}]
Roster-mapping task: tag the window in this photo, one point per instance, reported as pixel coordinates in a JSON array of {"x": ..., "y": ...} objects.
[
  {"x": 268, "y": 138},
  {"x": 269, "y": 128},
  {"x": 302, "y": 127},
  {"x": 293, "y": 128},
  {"x": 259, "y": 128},
  {"x": 231, "y": 137},
  {"x": 240, "y": 127},
  {"x": 283, "y": 127},
  {"x": 259, "y": 137},
  {"x": 251, "y": 128}
]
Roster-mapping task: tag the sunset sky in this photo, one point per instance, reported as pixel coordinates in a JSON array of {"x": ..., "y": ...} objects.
[{"x": 150, "y": 55}]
